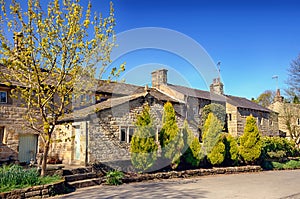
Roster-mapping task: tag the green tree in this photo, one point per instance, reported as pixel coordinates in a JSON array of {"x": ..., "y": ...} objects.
[
  {"x": 143, "y": 147},
  {"x": 250, "y": 141},
  {"x": 170, "y": 139},
  {"x": 192, "y": 146},
  {"x": 211, "y": 131},
  {"x": 58, "y": 49},
  {"x": 266, "y": 98},
  {"x": 217, "y": 109}
]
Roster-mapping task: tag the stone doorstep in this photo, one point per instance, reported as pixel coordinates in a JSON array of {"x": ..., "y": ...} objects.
[
  {"x": 87, "y": 183},
  {"x": 76, "y": 170},
  {"x": 79, "y": 176}
]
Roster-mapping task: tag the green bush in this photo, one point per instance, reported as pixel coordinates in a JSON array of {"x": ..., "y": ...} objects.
[
  {"x": 192, "y": 147},
  {"x": 114, "y": 177},
  {"x": 14, "y": 177},
  {"x": 171, "y": 141},
  {"x": 292, "y": 164},
  {"x": 232, "y": 149},
  {"x": 277, "y": 148},
  {"x": 217, "y": 154},
  {"x": 211, "y": 131},
  {"x": 143, "y": 147},
  {"x": 218, "y": 110},
  {"x": 250, "y": 141}
]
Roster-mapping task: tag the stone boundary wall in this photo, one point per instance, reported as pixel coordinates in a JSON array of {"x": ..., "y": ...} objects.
[
  {"x": 190, "y": 173},
  {"x": 41, "y": 191}
]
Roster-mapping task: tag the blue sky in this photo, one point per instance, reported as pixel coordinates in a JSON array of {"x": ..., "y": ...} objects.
[{"x": 254, "y": 40}]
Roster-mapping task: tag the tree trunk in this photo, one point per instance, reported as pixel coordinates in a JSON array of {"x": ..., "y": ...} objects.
[{"x": 45, "y": 156}]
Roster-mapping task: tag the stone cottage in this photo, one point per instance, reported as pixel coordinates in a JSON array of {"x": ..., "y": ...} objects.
[
  {"x": 102, "y": 132},
  {"x": 16, "y": 141},
  {"x": 288, "y": 117}
]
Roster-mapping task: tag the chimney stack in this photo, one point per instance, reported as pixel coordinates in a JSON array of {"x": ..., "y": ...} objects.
[
  {"x": 278, "y": 97},
  {"x": 217, "y": 87},
  {"x": 159, "y": 77}
]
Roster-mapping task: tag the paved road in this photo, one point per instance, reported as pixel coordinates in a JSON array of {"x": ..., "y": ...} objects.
[{"x": 269, "y": 185}]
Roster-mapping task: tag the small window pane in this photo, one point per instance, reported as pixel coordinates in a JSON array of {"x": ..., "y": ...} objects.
[
  {"x": 131, "y": 131},
  {"x": 123, "y": 135},
  {"x": 3, "y": 97}
]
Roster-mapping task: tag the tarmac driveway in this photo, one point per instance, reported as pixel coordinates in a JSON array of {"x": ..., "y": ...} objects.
[{"x": 271, "y": 184}]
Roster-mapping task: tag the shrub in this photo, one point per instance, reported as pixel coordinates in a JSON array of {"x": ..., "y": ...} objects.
[
  {"x": 278, "y": 148},
  {"x": 250, "y": 141},
  {"x": 212, "y": 129},
  {"x": 217, "y": 154},
  {"x": 232, "y": 149},
  {"x": 114, "y": 177},
  {"x": 170, "y": 139},
  {"x": 143, "y": 147},
  {"x": 192, "y": 147},
  {"x": 292, "y": 164}
]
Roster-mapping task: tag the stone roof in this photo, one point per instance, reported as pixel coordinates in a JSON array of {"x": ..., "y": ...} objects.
[
  {"x": 118, "y": 88},
  {"x": 245, "y": 103},
  {"x": 191, "y": 92},
  {"x": 112, "y": 102},
  {"x": 236, "y": 101}
]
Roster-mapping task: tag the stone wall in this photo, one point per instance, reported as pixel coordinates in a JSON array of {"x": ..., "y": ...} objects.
[
  {"x": 11, "y": 118},
  {"x": 42, "y": 191},
  {"x": 104, "y": 130}
]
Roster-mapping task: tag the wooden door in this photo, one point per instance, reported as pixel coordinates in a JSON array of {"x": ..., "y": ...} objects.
[{"x": 27, "y": 147}]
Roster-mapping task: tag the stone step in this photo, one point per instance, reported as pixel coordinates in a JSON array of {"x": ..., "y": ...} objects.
[
  {"x": 68, "y": 171},
  {"x": 79, "y": 176},
  {"x": 86, "y": 183}
]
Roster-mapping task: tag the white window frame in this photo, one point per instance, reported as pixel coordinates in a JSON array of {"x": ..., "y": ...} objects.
[{"x": 5, "y": 97}]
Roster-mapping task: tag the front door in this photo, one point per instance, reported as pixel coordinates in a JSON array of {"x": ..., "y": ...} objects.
[
  {"x": 27, "y": 147},
  {"x": 77, "y": 143}
]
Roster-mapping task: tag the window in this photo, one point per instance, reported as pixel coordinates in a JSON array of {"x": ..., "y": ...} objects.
[
  {"x": 2, "y": 141},
  {"x": 262, "y": 121},
  {"x": 229, "y": 117},
  {"x": 298, "y": 121},
  {"x": 123, "y": 134},
  {"x": 131, "y": 131},
  {"x": 3, "y": 97}
]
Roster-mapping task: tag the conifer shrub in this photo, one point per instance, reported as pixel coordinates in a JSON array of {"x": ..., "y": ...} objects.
[
  {"x": 211, "y": 131},
  {"x": 170, "y": 138},
  {"x": 218, "y": 152},
  {"x": 192, "y": 147},
  {"x": 250, "y": 141},
  {"x": 232, "y": 149},
  {"x": 143, "y": 147}
]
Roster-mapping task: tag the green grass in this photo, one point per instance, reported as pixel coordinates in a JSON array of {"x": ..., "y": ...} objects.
[{"x": 15, "y": 177}]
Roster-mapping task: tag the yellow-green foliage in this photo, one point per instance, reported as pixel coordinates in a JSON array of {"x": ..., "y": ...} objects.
[
  {"x": 276, "y": 147},
  {"x": 232, "y": 149},
  {"x": 192, "y": 147},
  {"x": 143, "y": 147},
  {"x": 217, "y": 154},
  {"x": 59, "y": 48},
  {"x": 211, "y": 130},
  {"x": 250, "y": 141},
  {"x": 170, "y": 139}
]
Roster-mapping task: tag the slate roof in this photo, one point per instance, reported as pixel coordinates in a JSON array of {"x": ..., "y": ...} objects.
[
  {"x": 118, "y": 88},
  {"x": 236, "y": 101},
  {"x": 245, "y": 103},
  {"x": 112, "y": 102}
]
